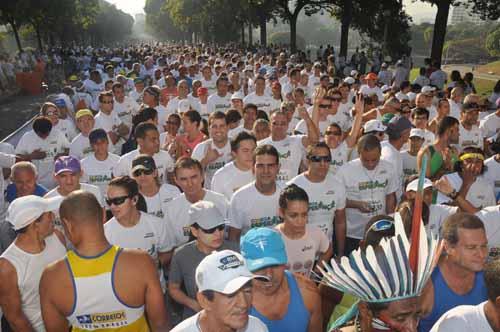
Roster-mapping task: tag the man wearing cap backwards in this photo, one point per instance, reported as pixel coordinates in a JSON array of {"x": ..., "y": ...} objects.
[
  {"x": 148, "y": 142},
  {"x": 259, "y": 98},
  {"x": 285, "y": 301},
  {"x": 98, "y": 166},
  {"x": 370, "y": 187},
  {"x": 106, "y": 287},
  {"x": 124, "y": 106},
  {"x": 207, "y": 227},
  {"x": 80, "y": 145},
  {"x": 458, "y": 278},
  {"x": 21, "y": 265},
  {"x": 398, "y": 130},
  {"x": 371, "y": 88},
  {"x": 225, "y": 296},
  {"x": 470, "y": 134},
  {"x": 42, "y": 146},
  {"x": 221, "y": 99}
]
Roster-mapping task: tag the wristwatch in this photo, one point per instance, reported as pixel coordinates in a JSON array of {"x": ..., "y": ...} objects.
[{"x": 453, "y": 195}]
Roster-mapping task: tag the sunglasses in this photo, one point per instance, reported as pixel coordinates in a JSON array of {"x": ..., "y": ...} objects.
[
  {"x": 318, "y": 159},
  {"x": 117, "y": 200},
  {"x": 219, "y": 228},
  {"x": 334, "y": 133},
  {"x": 381, "y": 225},
  {"x": 140, "y": 172},
  {"x": 325, "y": 106}
]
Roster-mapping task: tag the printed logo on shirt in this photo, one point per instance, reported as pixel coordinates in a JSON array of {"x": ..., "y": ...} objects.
[
  {"x": 372, "y": 184},
  {"x": 265, "y": 222},
  {"x": 150, "y": 234},
  {"x": 314, "y": 206},
  {"x": 215, "y": 166},
  {"x": 307, "y": 248},
  {"x": 103, "y": 320},
  {"x": 99, "y": 178}
]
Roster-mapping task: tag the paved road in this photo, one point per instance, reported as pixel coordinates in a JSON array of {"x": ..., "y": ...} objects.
[
  {"x": 16, "y": 110},
  {"x": 470, "y": 68}
]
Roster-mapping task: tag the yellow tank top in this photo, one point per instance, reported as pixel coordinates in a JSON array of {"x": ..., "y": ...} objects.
[{"x": 97, "y": 306}]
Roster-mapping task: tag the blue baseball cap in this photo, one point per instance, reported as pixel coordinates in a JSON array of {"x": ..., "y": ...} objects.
[{"x": 263, "y": 247}]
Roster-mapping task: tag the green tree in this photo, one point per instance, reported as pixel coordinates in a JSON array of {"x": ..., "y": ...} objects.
[
  {"x": 12, "y": 13},
  {"x": 492, "y": 43}
]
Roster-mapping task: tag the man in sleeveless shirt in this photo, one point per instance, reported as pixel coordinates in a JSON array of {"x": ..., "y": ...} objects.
[
  {"x": 285, "y": 301},
  {"x": 225, "y": 295},
  {"x": 105, "y": 287},
  {"x": 458, "y": 278},
  {"x": 21, "y": 265}
]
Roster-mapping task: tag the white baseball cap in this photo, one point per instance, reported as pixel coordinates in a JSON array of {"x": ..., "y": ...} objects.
[
  {"x": 374, "y": 125},
  {"x": 413, "y": 186},
  {"x": 222, "y": 271},
  {"x": 349, "y": 80},
  {"x": 237, "y": 95},
  {"x": 354, "y": 72},
  {"x": 24, "y": 210},
  {"x": 248, "y": 68},
  {"x": 385, "y": 88},
  {"x": 427, "y": 88},
  {"x": 205, "y": 214},
  {"x": 416, "y": 132}
]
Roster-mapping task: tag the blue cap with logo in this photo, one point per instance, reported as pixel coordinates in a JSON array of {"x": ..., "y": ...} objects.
[{"x": 263, "y": 247}]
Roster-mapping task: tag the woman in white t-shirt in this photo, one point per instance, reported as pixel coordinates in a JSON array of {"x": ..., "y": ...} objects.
[
  {"x": 304, "y": 244},
  {"x": 156, "y": 194}
]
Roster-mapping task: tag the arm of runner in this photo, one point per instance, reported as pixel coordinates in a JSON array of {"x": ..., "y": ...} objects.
[
  {"x": 420, "y": 155},
  {"x": 312, "y": 301},
  {"x": 10, "y": 298},
  {"x": 390, "y": 203},
  {"x": 53, "y": 318},
  {"x": 358, "y": 119},
  {"x": 174, "y": 289},
  {"x": 340, "y": 231}
]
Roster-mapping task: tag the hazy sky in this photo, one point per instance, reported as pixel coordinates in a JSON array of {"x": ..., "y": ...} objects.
[{"x": 417, "y": 9}]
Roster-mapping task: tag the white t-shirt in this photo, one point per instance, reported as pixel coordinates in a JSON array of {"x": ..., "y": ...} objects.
[
  {"x": 109, "y": 123},
  {"x": 409, "y": 165},
  {"x": 99, "y": 172},
  {"x": 392, "y": 155},
  {"x": 157, "y": 204},
  {"x": 490, "y": 125},
  {"x": 491, "y": 216},
  {"x": 234, "y": 132},
  {"x": 178, "y": 218},
  {"x": 303, "y": 252},
  {"x": 301, "y": 127},
  {"x": 243, "y": 213},
  {"x": 191, "y": 324},
  {"x": 209, "y": 84},
  {"x": 437, "y": 214},
  {"x": 455, "y": 109},
  {"x": 367, "y": 91},
  {"x": 200, "y": 151},
  {"x": 367, "y": 186},
  {"x": 80, "y": 147},
  {"x": 264, "y": 102},
  {"x": 229, "y": 179},
  {"x": 342, "y": 118},
  {"x": 126, "y": 110},
  {"x": 325, "y": 198},
  {"x": 492, "y": 175},
  {"x": 218, "y": 103},
  {"x": 481, "y": 193},
  {"x": 67, "y": 127},
  {"x": 150, "y": 234},
  {"x": 463, "y": 318},
  {"x": 53, "y": 145},
  {"x": 473, "y": 137},
  {"x": 339, "y": 157},
  {"x": 163, "y": 160},
  {"x": 291, "y": 150},
  {"x": 173, "y": 105}
]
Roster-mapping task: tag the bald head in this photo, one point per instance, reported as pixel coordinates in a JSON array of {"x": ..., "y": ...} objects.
[{"x": 81, "y": 207}]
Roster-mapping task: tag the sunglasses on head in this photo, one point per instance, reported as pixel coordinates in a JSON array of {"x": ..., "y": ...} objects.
[
  {"x": 117, "y": 200},
  {"x": 318, "y": 159},
  {"x": 381, "y": 225},
  {"x": 140, "y": 172},
  {"x": 219, "y": 228}
]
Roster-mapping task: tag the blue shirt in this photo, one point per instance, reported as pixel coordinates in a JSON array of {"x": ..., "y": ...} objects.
[{"x": 11, "y": 192}]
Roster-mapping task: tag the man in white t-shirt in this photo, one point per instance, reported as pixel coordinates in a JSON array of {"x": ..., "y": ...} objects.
[
  {"x": 438, "y": 77},
  {"x": 305, "y": 243},
  {"x": 490, "y": 125},
  {"x": 370, "y": 187},
  {"x": 148, "y": 142},
  {"x": 237, "y": 173},
  {"x": 174, "y": 104},
  {"x": 124, "y": 106},
  {"x": 188, "y": 174},
  {"x": 291, "y": 147},
  {"x": 221, "y": 99},
  {"x": 108, "y": 120},
  {"x": 208, "y": 81},
  {"x": 492, "y": 174},
  {"x": 214, "y": 152},
  {"x": 249, "y": 117},
  {"x": 256, "y": 204},
  {"x": 370, "y": 88},
  {"x": 224, "y": 294},
  {"x": 470, "y": 133},
  {"x": 482, "y": 317},
  {"x": 42, "y": 145},
  {"x": 259, "y": 98},
  {"x": 326, "y": 195},
  {"x": 80, "y": 145}
]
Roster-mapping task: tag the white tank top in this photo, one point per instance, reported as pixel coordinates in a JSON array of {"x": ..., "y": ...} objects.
[{"x": 29, "y": 269}]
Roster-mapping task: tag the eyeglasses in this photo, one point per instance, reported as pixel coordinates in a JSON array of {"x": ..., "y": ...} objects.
[
  {"x": 318, "y": 159},
  {"x": 219, "y": 228},
  {"x": 117, "y": 200},
  {"x": 381, "y": 225},
  {"x": 325, "y": 106},
  {"x": 140, "y": 172},
  {"x": 334, "y": 133}
]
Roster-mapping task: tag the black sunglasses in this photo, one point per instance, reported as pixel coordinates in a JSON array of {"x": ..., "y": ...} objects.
[
  {"x": 318, "y": 159},
  {"x": 212, "y": 230},
  {"x": 335, "y": 133},
  {"x": 140, "y": 172},
  {"x": 325, "y": 106},
  {"x": 117, "y": 200}
]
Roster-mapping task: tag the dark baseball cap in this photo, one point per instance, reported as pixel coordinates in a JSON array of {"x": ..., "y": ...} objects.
[
  {"x": 143, "y": 161},
  {"x": 399, "y": 124},
  {"x": 97, "y": 134}
]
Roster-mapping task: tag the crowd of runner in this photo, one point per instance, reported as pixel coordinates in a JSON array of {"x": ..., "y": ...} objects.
[{"x": 188, "y": 188}]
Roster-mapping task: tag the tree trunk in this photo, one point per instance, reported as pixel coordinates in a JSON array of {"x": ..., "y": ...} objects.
[
  {"x": 250, "y": 37},
  {"x": 16, "y": 35},
  {"x": 38, "y": 37},
  {"x": 440, "y": 29},
  {"x": 243, "y": 34},
  {"x": 293, "y": 34},
  {"x": 263, "y": 30},
  {"x": 344, "y": 27}
]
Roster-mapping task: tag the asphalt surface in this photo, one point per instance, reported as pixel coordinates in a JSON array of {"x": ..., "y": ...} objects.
[{"x": 15, "y": 110}]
